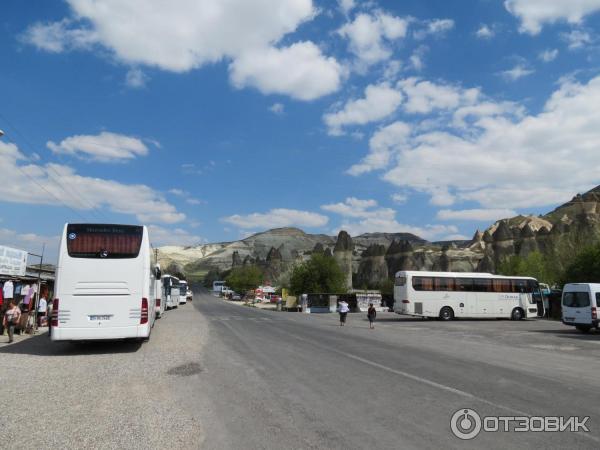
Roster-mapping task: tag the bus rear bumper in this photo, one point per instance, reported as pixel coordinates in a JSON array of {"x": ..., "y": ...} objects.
[{"x": 96, "y": 334}]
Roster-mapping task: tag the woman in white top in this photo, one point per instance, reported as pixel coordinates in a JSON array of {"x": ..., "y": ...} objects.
[{"x": 343, "y": 308}]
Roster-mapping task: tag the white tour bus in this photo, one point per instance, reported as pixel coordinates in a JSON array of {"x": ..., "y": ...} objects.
[
  {"x": 105, "y": 283},
  {"x": 160, "y": 304},
  {"x": 580, "y": 305},
  {"x": 447, "y": 295},
  {"x": 170, "y": 291},
  {"x": 183, "y": 288}
]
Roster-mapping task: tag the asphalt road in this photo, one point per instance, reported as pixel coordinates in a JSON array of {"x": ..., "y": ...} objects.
[
  {"x": 219, "y": 375},
  {"x": 288, "y": 380}
]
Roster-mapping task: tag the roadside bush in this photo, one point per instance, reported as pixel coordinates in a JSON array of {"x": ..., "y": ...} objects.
[
  {"x": 242, "y": 279},
  {"x": 321, "y": 274},
  {"x": 584, "y": 268}
]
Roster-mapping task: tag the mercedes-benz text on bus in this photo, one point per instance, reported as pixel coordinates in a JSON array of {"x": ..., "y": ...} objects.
[
  {"x": 105, "y": 283},
  {"x": 447, "y": 295}
]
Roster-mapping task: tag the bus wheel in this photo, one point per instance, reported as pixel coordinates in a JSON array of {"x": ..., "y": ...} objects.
[
  {"x": 583, "y": 328},
  {"x": 446, "y": 313},
  {"x": 517, "y": 314}
]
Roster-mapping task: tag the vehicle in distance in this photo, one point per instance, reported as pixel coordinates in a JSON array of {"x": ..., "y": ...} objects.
[
  {"x": 170, "y": 291},
  {"x": 159, "y": 304},
  {"x": 218, "y": 287},
  {"x": 580, "y": 304},
  {"x": 183, "y": 289},
  {"x": 189, "y": 295},
  {"x": 449, "y": 295},
  {"x": 105, "y": 283}
]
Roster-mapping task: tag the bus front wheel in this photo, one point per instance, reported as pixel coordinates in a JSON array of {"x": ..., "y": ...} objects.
[
  {"x": 517, "y": 314},
  {"x": 446, "y": 313}
]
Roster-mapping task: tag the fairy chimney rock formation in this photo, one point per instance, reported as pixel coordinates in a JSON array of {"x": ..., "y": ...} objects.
[{"x": 342, "y": 253}]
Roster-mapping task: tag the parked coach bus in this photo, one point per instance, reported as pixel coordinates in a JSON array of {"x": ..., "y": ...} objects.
[
  {"x": 447, "y": 295},
  {"x": 105, "y": 283},
  {"x": 160, "y": 306},
  {"x": 170, "y": 291}
]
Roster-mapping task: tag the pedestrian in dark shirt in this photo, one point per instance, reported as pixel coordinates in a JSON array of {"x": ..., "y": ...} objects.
[{"x": 371, "y": 314}]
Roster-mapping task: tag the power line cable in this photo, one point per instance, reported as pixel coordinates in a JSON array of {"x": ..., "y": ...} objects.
[{"x": 79, "y": 199}]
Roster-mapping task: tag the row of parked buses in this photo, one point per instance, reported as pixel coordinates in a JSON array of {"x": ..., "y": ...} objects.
[
  {"x": 108, "y": 286},
  {"x": 449, "y": 295}
]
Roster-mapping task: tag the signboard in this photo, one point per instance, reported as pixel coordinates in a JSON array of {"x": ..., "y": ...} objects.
[{"x": 13, "y": 262}]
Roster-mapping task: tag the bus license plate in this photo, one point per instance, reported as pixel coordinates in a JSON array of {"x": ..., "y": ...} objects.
[{"x": 95, "y": 318}]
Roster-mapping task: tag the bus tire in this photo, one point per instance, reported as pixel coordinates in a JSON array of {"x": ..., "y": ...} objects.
[
  {"x": 517, "y": 314},
  {"x": 583, "y": 328},
  {"x": 446, "y": 313}
]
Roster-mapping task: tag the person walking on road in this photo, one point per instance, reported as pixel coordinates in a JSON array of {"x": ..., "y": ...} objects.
[
  {"x": 343, "y": 309},
  {"x": 11, "y": 319},
  {"x": 371, "y": 314}
]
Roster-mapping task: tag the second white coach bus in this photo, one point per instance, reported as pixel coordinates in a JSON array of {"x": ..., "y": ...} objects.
[
  {"x": 170, "y": 291},
  {"x": 105, "y": 283},
  {"x": 449, "y": 295}
]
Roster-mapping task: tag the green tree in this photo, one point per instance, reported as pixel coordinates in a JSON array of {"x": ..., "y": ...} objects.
[
  {"x": 585, "y": 267},
  {"x": 533, "y": 265},
  {"x": 242, "y": 279},
  {"x": 320, "y": 274},
  {"x": 212, "y": 275}
]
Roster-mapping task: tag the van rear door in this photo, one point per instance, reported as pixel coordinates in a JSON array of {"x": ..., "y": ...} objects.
[{"x": 577, "y": 305}]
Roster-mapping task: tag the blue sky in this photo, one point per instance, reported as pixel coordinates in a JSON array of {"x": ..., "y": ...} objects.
[{"x": 210, "y": 120}]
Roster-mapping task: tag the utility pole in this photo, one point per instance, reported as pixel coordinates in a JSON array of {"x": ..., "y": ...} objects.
[{"x": 39, "y": 285}]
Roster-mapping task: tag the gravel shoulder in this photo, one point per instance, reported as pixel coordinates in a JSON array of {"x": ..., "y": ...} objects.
[{"x": 105, "y": 395}]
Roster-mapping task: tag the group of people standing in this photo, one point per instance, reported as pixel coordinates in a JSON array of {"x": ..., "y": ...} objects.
[
  {"x": 344, "y": 309},
  {"x": 12, "y": 311}
]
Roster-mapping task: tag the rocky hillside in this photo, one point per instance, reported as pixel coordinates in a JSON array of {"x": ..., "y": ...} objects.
[{"x": 370, "y": 258}]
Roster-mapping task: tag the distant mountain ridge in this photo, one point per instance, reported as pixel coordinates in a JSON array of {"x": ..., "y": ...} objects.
[{"x": 377, "y": 256}]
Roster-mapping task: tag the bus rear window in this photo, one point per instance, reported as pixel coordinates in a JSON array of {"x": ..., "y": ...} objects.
[{"x": 104, "y": 241}]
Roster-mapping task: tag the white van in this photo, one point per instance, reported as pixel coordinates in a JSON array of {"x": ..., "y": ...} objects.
[
  {"x": 580, "y": 304},
  {"x": 105, "y": 283}
]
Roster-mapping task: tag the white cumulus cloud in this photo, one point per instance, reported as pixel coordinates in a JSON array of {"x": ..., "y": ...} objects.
[
  {"x": 103, "y": 147},
  {"x": 533, "y": 14},
  {"x": 485, "y": 32},
  {"x": 370, "y": 36},
  {"x": 269, "y": 70},
  {"x": 435, "y": 27},
  {"x": 548, "y": 55},
  {"x": 503, "y": 161},
  {"x": 378, "y": 103},
  {"x": 278, "y": 217},
  {"x": 183, "y": 35},
  {"x": 55, "y": 183}
]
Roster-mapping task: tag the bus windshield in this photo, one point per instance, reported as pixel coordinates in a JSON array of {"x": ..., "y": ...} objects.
[{"x": 104, "y": 241}]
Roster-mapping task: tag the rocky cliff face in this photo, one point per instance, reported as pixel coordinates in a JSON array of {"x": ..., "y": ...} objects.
[{"x": 373, "y": 257}]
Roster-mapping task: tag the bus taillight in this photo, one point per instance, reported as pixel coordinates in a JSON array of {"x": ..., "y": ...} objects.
[
  {"x": 158, "y": 302},
  {"x": 594, "y": 313},
  {"x": 144, "y": 316},
  {"x": 54, "y": 318}
]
